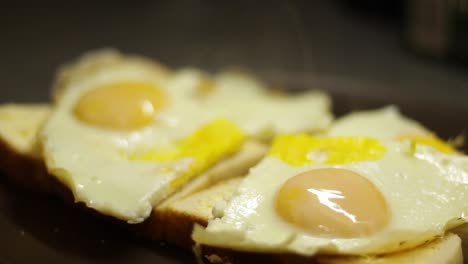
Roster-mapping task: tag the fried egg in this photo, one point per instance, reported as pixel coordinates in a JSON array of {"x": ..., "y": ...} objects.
[
  {"x": 354, "y": 195},
  {"x": 123, "y": 138}
]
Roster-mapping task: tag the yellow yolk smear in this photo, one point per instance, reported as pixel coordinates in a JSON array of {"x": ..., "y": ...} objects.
[
  {"x": 206, "y": 146},
  {"x": 332, "y": 202},
  {"x": 126, "y": 105},
  {"x": 301, "y": 149},
  {"x": 431, "y": 141}
]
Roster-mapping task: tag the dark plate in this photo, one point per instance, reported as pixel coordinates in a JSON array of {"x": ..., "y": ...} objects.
[{"x": 38, "y": 229}]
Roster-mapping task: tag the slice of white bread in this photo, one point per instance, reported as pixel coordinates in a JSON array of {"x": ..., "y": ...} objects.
[{"x": 22, "y": 163}]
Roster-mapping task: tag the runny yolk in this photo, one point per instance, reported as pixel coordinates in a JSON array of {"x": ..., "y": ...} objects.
[
  {"x": 334, "y": 203},
  {"x": 125, "y": 105}
]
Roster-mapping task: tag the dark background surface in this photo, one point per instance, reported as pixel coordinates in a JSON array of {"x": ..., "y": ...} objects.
[
  {"x": 345, "y": 39},
  {"x": 356, "y": 51}
]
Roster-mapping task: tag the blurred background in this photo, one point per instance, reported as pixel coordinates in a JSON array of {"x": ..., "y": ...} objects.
[{"x": 416, "y": 49}]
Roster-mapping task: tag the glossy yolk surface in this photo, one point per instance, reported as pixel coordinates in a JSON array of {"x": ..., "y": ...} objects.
[
  {"x": 334, "y": 203},
  {"x": 120, "y": 106}
]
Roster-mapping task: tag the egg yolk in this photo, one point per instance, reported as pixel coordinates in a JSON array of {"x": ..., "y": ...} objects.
[
  {"x": 121, "y": 106},
  {"x": 334, "y": 203},
  {"x": 301, "y": 149}
]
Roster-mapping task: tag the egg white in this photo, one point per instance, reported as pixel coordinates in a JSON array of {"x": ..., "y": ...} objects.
[
  {"x": 383, "y": 123},
  {"x": 249, "y": 103}
]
